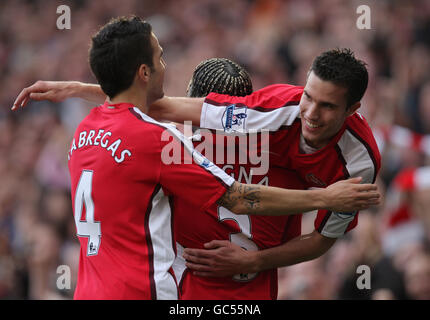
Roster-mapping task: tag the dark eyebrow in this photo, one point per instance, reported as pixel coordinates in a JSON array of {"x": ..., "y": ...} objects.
[
  {"x": 323, "y": 103},
  {"x": 328, "y": 104}
]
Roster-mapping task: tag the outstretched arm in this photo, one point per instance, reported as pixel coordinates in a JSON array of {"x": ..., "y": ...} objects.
[
  {"x": 167, "y": 108},
  {"x": 221, "y": 258},
  {"x": 177, "y": 109},
  {"x": 342, "y": 196},
  {"x": 57, "y": 91}
]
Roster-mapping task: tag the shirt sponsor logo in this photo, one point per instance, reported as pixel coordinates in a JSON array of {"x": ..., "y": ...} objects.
[
  {"x": 233, "y": 119},
  {"x": 311, "y": 178}
]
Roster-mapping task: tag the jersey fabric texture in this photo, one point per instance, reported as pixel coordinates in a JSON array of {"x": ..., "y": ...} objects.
[
  {"x": 194, "y": 228},
  {"x": 123, "y": 194},
  {"x": 352, "y": 151},
  {"x": 249, "y": 232}
]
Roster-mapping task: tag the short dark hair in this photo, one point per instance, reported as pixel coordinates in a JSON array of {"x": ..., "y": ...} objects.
[
  {"x": 343, "y": 69},
  {"x": 219, "y": 75},
  {"x": 118, "y": 49}
]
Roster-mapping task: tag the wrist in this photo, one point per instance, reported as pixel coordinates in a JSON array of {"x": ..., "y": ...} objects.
[
  {"x": 75, "y": 88},
  {"x": 321, "y": 199},
  {"x": 254, "y": 261}
]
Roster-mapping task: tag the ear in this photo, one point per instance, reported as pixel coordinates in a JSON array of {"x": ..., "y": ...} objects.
[
  {"x": 144, "y": 72},
  {"x": 351, "y": 110}
]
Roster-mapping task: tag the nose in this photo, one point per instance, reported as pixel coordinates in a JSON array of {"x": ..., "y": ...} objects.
[{"x": 312, "y": 111}]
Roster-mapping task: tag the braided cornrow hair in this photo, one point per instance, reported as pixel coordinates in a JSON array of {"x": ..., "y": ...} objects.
[{"x": 219, "y": 75}]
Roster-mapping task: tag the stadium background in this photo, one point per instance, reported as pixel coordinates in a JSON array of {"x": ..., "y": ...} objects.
[{"x": 276, "y": 41}]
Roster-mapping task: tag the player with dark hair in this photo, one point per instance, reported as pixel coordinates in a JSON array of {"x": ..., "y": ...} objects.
[
  {"x": 255, "y": 284},
  {"x": 122, "y": 190}
]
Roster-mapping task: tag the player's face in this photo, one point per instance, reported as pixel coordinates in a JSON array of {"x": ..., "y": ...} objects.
[
  {"x": 157, "y": 75},
  {"x": 323, "y": 110}
]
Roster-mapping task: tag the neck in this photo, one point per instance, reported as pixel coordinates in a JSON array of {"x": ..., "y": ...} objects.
[{"x": 135, "y": 96}]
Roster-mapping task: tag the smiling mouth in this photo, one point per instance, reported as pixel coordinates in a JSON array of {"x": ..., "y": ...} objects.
[{"x": 312, "y": 125}]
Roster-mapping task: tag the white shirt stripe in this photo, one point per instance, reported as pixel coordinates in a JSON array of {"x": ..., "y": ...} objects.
[
  {"x": 358, "y": 164},
  {"x": 160, "y": 228},
  {"x": 358, "y": 161},
  {"x": 179, "y": 264}
]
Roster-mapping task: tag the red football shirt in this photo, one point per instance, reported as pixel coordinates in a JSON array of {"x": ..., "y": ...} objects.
[
  {"x": 193, "y": 229},
  {"x": 247, "y": 158},
  {"x": 123, "y": 192},
  {"x": 352, "y": 152}
]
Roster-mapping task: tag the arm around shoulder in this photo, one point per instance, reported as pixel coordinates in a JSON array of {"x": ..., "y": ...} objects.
[{"x": 177, "y": 109}]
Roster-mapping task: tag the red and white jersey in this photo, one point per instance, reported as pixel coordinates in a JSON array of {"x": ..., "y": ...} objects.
[
  {"x": 352, "y": 152},
  {"x": 193, "y": 229},
  {"x": 123, "y": 194}
]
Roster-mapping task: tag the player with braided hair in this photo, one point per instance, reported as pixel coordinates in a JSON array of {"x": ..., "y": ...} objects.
[
  {"x": 193, "y": 228},
  {"x": 219, "y": 75}
]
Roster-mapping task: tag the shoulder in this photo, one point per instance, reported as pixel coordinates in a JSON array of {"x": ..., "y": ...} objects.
[
  {"x": 144, "y": 124},
  {"x": 163, "y": 132},
  {"x": 359, "y": 149},
  {"x": 357, "y": 126},
  {"x": 283, "y": 91},
  {"x": 270, "y": 97}
]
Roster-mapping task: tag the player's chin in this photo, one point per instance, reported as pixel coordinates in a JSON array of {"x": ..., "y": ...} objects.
[{"x": 161, "y": 94}]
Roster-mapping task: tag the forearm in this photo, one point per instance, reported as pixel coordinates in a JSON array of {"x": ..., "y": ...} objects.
[
  {"x": 87, "y": 91},
  {"x": 342, "y": 196},
  {"x": 261, "y": 200},
  {"x": 303, "y": 248},
  {"x": 177, "y": 109}
]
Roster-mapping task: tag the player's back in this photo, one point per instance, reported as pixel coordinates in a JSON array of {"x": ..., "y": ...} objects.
[
  {"x": 193, "y": 228},
  {"x": 119, "y": 206}
]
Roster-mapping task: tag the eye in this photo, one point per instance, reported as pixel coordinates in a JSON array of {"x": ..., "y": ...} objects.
[{"x": 329, "y": 106}]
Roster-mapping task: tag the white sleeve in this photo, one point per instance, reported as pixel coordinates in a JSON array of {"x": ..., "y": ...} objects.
[{"x": 239, "y": 118}]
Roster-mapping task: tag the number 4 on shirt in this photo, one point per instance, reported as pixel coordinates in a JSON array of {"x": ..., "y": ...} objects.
[{"x": 89, "y": 228}]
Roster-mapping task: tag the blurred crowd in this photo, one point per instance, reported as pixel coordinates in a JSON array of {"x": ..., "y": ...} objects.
[{"x": 276, "y": 40}]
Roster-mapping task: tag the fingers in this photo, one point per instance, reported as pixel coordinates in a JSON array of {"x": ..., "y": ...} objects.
[
  {"x": 214, "y": 244},
  {"x": 368, "y": 195},
  {"x": 197, "y": 256},
  {"x": 38, "y": 96},
  {"x": 201, "y": 270},
  {"x": 198, "y": 267},
  {"x": 24, "y": 95},
  {"x": 366, "y": 187},
  {"x": 354, "y": 180}
]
